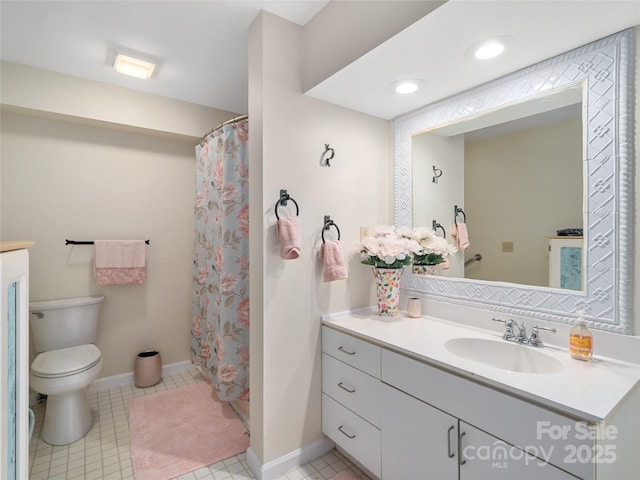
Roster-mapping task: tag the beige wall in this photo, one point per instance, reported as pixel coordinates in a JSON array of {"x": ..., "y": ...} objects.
[
  {"x": 521, "y": 187},
  {"x": 288, "y": 135},
  {"x": 107, "y": 168},
  {"x": 345, "y": 30},
  {"x": 66, "y": 181}
]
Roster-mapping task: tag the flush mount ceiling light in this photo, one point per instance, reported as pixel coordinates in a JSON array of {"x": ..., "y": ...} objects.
[
  {"x": 406, "y": 86},
  {"x": 134, "y": 66}
]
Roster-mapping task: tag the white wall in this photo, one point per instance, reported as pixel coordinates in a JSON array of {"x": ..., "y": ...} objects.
[
  {"x": 435, "y": 201},
  {"x": 288, "y": 133}
]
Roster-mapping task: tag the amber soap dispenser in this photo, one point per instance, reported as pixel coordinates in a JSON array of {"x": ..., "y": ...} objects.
[{"x": 581, "y": 341}]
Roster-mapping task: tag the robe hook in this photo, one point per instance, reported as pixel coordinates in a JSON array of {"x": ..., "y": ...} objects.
[
  {"x": 437, "y": 173},
  {"x": 327, "y": 148}
]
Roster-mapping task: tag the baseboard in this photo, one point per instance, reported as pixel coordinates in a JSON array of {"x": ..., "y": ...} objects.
[
  {"x": 280, "y": 466},
  {"x": 127, "y": 378}
]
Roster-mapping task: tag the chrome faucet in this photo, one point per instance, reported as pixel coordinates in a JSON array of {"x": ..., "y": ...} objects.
[{"x": 514, "y": 332}]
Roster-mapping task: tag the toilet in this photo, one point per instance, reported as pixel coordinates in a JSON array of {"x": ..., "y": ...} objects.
[{"x": 64, "y": 332}]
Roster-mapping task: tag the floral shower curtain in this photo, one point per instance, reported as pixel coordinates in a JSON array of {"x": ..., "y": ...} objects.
[{"x": 220, "y": 328}]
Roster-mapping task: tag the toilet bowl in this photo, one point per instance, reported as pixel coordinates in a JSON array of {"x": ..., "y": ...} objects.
[
  {"x": 68, "y": 364},
  {"x": 63, "y": 375}
]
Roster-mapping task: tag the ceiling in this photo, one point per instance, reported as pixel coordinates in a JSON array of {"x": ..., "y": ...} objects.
[
  {"x": 202, "y": 45},
  {"x": 436, "y": 49}
]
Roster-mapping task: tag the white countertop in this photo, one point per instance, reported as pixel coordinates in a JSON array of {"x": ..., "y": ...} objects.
[{"x": 587, "y": 390}]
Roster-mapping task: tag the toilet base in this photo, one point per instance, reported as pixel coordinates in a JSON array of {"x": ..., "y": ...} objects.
[{"x": 67, "y": 418}]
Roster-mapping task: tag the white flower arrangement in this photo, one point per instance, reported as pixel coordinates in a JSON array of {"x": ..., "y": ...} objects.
[
  {"x": 387, "y": 248},
  {"x": 432, "y": 248}
]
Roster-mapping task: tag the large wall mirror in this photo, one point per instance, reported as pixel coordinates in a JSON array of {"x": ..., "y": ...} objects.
[{"x": 544, "y": 149}]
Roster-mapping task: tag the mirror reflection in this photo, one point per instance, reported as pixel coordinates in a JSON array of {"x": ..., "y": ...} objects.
[{"x": 517, "y": 174}]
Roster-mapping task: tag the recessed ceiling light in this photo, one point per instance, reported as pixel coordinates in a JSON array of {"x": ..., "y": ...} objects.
[
  {"x": 406, "y": 86},
  {"x": 134, "y": 66},
  {"x": 489, "y": 50},
  {"x": 490, "y": 47}
]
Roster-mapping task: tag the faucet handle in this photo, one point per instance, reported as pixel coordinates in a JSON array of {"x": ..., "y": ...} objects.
[
  {"x": 508, "y": 327},
  {"x": 507, "y": 323},
  {"x": 535, "y": 335}
]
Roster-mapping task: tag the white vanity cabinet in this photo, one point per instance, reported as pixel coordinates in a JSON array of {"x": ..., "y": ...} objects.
[
  {"x": 351, "y": 396},
  {"x": 404, "y": 418},
  {"x": 420, "y": 441},
  {"x": 504, "y": 418},
  {"x": 416, "y": 439},
  {"x": 14, "y": 359}
]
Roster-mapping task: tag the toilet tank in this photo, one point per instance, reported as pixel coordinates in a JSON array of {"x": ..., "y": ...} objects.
[{"x": 64, "y": 323}]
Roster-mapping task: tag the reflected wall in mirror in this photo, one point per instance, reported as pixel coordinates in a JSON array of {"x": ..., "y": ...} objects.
[
  {"x": 602, "y": 72},
  {"x": 517, "y": 173}
]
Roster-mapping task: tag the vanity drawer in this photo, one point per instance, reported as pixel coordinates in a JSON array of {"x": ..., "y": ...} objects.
[
  {"x": 351, "y": 387},
  {"x": 516, "y": 421},
  {"x": 354, "y": 435},
  {"x": 357, "y": 353}
]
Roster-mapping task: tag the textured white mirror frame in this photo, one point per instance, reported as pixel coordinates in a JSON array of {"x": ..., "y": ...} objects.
[{"x": 605, "y": 70}]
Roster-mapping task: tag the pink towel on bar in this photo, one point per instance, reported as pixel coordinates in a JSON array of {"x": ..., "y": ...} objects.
[
  {"x": 462, "y": 236},
  {"x": 120, "y": 262},
  {"x": 333, "y": 261},
  {"x": 288, "y": 229}
]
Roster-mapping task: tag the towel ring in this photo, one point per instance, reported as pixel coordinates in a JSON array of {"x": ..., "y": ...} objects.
[
  {"x": 436, "y": 225},
  {"x": 284, "y": 197},
  {"x": 457, "y": 210},
  {"x": 326, "y": 227}
]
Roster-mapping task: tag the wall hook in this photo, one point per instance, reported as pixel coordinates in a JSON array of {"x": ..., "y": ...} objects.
[
  {"x": 327, "y": 148},
  {"x": 437, "y": 173}
]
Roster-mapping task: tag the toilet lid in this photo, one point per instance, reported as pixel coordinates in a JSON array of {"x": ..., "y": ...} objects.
[{"x": 66, "y": 361}]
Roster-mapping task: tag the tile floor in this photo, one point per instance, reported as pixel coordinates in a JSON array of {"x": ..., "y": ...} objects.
[{"x": 104, "y": 452}]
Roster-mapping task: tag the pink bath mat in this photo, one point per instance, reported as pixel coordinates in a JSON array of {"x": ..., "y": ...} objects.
[{"x": 182, "y": 430}]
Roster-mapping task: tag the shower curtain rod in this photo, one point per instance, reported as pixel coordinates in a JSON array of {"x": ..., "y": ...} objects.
[{"x": 233, "y": 120}]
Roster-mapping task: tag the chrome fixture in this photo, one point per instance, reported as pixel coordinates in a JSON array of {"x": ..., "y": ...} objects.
[{"x": 517, "y": 333}]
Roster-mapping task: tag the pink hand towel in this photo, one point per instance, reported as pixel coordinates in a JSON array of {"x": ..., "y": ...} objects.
[
  {"x": 462, "y": 236},
  {"x": 444, "y": 265},
  {"x": 288, "y": 230},
  {"x": 333, "y": 261},
  {"x": 119, "y": 262}
]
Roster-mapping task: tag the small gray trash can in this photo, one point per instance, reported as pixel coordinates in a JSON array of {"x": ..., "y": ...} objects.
[{"x": 148, "y": 369}]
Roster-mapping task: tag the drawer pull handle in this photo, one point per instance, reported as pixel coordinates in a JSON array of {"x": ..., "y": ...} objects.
[
  {"x": 350, "y": 390},
  {"x": 346, "y": 351},
  {"x": 345, "y": 433},
  {"x": 462, "y": 460},
  {"x": 450, "y": 453}
]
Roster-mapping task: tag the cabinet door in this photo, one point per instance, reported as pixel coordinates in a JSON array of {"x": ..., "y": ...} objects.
[
  {"x": 485, "y": 457},
  {"x": 418, "y": 441}
]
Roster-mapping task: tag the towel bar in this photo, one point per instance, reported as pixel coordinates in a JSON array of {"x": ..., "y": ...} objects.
[{"x": 85, "y": 242}]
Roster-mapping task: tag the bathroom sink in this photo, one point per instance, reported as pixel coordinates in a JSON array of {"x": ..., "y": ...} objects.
[{"x": 504, "y": 355}]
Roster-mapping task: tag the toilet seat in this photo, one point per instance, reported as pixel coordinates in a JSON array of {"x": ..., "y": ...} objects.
[{"x": 66, "y": 361}]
